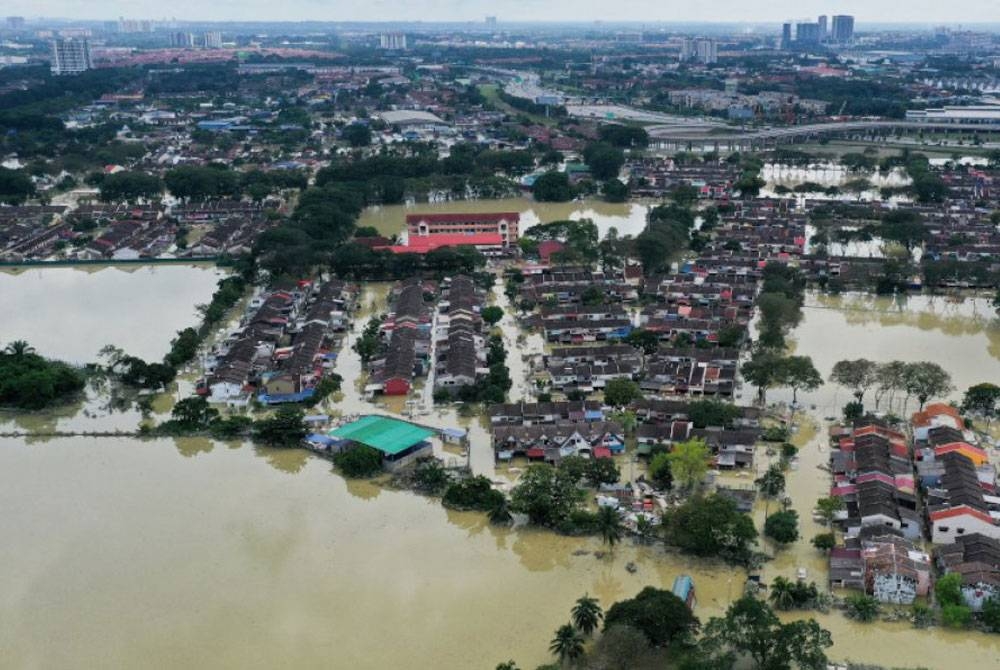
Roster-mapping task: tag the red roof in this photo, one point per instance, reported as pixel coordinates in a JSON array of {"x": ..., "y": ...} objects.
[
  {"x": 959, "y": 511},
  {"x": 548, "y": 247},
  {"x": 535, "y": 452},
  {"x": 602, "y": 452},
  {"x": 421, "y": 244},
  {"x": 463, "y": 217}
]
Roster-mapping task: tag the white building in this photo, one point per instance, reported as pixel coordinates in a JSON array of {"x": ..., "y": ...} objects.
[
  {"x": 702, "y": 50},
  {"x": 988, "y": 115},
  {"x": 392, "y": 41},
  {"x": 70, "y": 56}
]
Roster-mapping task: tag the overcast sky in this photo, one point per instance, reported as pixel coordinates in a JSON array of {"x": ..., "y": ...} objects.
[{"x": 880, "y": 11}]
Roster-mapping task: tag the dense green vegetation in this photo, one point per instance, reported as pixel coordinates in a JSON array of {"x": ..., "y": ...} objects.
[
  {"x": 711, "y": 526},
  {"x": 359, "y": 461},
  {"x": 29, "y": 381},
  {"x": 15, "y": 186},
  {"x": 655, "y": 629}
]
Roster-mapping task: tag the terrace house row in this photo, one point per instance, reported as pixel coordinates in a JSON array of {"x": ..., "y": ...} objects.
[
  {"x": 407, "y": 333},
  {"x": 959, "y": 482},
  {"x": 582, "y": 323},
  {"x": 459, "y": 348},
  {"x": 873, "y": 474},
  {"x": 284, "y": 345}
]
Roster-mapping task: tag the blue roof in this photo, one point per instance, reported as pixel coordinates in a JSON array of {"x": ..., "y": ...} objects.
[
  {"x": 683, "y": 585},
  {"x": 319, "y": 438}
]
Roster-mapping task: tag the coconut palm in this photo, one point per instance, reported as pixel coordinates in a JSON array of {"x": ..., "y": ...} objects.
[
  {"x": 567, "y": 644},
  {"x": 19, "y": 349},
  {"x": 782, "y": 594},
  {"x": 610, "y": 525},
  {"x": 587, "y": 614}
]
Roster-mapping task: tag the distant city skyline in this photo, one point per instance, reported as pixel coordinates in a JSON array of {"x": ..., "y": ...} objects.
[{"x": 721, "y": 11}]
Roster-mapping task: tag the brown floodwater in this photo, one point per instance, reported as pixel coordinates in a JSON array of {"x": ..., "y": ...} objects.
[
  {"x": 961, "y": 333},
  {"x": 166, "y": 553},
  {"x": 70, "y": 313},
  {"x": 627, "y": 218}
]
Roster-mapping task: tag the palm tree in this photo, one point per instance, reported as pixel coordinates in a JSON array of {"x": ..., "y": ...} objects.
[
  {"x": 782, "y": 594},
  {"x": 587, "y": 614},
  {"x": 567, "y": 644},
  {"x": 499, "y": 511},
  {"x": 610, "y": 525},
  {"x": 19, "y": 349}
]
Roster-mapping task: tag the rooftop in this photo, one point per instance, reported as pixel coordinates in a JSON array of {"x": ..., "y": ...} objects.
[{"x": 390, "y": 436}]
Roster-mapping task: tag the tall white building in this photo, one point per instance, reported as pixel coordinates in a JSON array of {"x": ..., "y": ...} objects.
[
  {"x": 703, "y": 50},
  {"x": 70, "y": 56},
  {"x": 392, "y": 41},
  {"x": 213, "y": 40}
]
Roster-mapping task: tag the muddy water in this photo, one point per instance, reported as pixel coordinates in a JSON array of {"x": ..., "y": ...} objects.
[
  {"x": 137, "y": 308},
  {"x": 628, "y": 218},
  {"x": 154, "y": 554},
  {"x": 960, "y": 333},
  {"x": 122, "y": 553}
]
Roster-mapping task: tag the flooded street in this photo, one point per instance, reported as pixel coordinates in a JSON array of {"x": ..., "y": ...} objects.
[
  {"x": 121, "y": 552},
  {"x": 628, "y": 218}
]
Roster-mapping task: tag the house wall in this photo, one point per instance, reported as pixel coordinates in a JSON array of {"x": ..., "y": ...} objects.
[
  {"x": 976, "y": 594},
  {"x": 944, "y": 531},
  {"x": 894, "y": 588}
]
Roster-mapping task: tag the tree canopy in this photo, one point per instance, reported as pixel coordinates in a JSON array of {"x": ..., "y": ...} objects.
[
  {"x": 710, "y": 526},
  {"x": 660, "y": 615}
]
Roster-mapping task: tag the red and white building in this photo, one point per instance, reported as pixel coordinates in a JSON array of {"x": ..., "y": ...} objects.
[{"x": 504, "y": 224}]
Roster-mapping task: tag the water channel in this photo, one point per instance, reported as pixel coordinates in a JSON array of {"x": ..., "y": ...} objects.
[{"x": 190, "y": 553}]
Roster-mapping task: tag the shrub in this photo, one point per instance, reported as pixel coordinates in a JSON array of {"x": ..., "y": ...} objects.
[
  {"x": 474, "y": 493},
  {"x": 861, "y": 607},
  {"x": 359, "y": 462}
]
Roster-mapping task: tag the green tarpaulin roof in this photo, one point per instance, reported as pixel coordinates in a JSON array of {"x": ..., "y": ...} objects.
[{"x": 390, "y": 436}]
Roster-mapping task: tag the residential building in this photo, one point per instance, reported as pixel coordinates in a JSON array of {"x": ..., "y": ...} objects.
[
  {"x": 842, "y": 29},
  {"x": 213, "y": 39},
  {"x": 702, "y": 50},
  {"x": 15, "y": 22},
  {"x": 896, "y": 571},
  {"x": 977, "y": 559},
  {"x": 70, "y": 56},
  {"x": 807, "y": 34},
  {"x": 392, "y": 41},
  {"x": 181, "y": 40}
]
